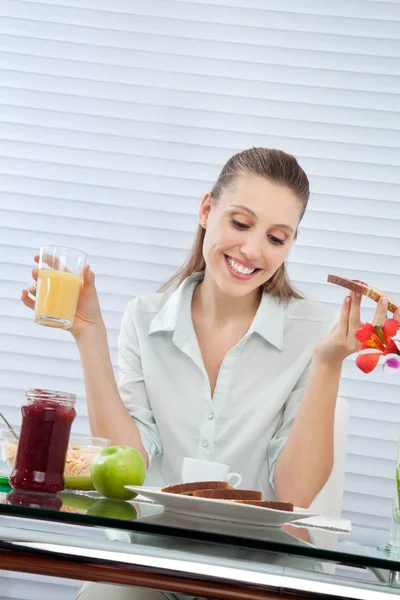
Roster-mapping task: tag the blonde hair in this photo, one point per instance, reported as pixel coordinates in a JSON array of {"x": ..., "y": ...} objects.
[{"x": 279, "y": 168}]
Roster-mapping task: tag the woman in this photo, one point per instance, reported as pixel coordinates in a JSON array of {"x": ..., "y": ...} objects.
[{"x": 234, "y": 366}]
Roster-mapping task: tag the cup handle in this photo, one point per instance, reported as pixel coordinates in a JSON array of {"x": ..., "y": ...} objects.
[{"x": 234, "y": 479}]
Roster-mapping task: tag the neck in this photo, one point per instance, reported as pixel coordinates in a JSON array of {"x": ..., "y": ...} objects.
[{"x": 219, "y": 308}]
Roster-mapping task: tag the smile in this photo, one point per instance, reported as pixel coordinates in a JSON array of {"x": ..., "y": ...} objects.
[{"x": 238, "y": 270}]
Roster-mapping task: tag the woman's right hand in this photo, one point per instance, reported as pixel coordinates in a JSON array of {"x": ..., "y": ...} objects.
[{"x": 88, "y": 312}]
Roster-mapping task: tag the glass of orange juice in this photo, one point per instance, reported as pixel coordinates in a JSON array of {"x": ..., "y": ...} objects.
[{"x": 58, "y": 285}]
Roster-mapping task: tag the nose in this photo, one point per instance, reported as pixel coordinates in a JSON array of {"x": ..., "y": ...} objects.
[{"x": 252, "y": 248}]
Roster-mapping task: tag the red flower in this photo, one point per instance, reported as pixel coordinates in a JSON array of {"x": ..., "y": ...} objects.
[
  {"x": 368, "y": 362},
  {"x": 369, "y": 337},
  {"x": 378, "y": 338}
]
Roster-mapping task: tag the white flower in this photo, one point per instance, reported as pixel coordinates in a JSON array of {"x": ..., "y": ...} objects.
[{"x": 391, "y": 363}]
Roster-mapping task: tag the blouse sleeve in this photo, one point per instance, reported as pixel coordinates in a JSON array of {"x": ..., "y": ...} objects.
[{"x": 132, "y": 387}]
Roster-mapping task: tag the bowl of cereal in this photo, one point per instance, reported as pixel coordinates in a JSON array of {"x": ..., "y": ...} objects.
[
  {"x": 9, "y": 445},
  {"x": 81, "y": 451}
]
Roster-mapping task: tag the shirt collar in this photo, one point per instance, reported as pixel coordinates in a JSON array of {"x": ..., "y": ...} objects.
[
  {"x": 268, "y": 321},
  {"x": 178, "y": 303}
]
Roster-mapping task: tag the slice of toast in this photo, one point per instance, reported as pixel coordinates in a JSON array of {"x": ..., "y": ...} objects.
[
  {"x": 364, "y": 289},
  {"x": 268, "y": 504},
  {"x": 192, "y": 492},
  {"x": 188, "y": 488},
  {"x": 228, "y": 494}
]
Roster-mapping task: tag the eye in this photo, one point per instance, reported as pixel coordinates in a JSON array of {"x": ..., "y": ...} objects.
[
  {"x": 239, "y": 225},
  {"x": 276, "y": 241}
]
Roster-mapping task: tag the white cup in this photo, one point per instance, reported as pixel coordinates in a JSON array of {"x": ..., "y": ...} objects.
[{"x": 194, "y": 469}]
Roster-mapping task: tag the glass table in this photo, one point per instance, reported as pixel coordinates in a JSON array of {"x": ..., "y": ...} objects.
[{"x": 137, "y": 543}]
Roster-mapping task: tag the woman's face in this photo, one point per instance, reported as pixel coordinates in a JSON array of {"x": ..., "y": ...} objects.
[{"x": 249, "y": 231}]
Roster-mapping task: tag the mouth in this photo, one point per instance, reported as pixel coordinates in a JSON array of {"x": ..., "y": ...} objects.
[{"x": 239, "y": 271}]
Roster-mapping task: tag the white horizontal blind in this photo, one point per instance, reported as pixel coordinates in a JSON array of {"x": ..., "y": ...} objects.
[{"x": 116, "y": 116}]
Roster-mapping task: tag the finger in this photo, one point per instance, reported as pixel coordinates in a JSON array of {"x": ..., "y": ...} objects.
[
  {"x": 343, "y": 323},
  {"x": 27, "y": 300},
  {"x": 31, "y": 289},
  {"x": 88, "y": 277},
  {"x": 354, "y": 317},
  {"x": 381, "y": 311},
  {"x": 397, "y": 315},
  {"x": 52, "y": 261},
  {"x": 35, "y": 274}
]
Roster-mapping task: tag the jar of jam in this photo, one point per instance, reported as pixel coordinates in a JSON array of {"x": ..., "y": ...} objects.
[{"x": 47, "y": 417}]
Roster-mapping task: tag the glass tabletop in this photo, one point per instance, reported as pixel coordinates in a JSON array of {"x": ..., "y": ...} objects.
[{"x": 141, "y": 516}]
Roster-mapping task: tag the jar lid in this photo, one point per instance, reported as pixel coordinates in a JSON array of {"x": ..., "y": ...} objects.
[{"x": 40, "y": 394}]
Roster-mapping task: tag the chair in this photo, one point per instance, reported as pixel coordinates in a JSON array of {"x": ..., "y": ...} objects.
[{"x": 329, "y": 500}]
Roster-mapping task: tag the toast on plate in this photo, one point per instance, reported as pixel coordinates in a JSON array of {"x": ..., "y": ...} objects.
[
  {"x": 228, "y": 494},
  {"x": 268, "y": 504},
  {"x": 188, "y": 488}
]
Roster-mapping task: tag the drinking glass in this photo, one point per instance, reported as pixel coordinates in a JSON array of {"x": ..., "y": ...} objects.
[{"x": 58, "y": 285}]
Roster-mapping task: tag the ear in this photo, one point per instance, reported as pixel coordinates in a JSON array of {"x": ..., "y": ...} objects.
[{"x": 205, "y": 208}]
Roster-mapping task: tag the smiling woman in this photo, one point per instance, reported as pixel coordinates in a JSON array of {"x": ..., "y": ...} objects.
[{"x": 234, "y": 366}]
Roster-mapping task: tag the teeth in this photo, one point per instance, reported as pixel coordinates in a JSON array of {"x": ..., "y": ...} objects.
[{"x": 239, "y": 268}]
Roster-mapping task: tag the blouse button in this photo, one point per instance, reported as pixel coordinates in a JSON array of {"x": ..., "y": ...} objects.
[
  {"x": 210, "y": 416},
  {"x": 205, "y": 444}
]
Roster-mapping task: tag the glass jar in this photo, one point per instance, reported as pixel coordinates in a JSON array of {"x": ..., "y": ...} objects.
[
  {"x": 47, "y": 417},
  {"x": 392, "y": 548},
  {"x": 394, "y": 538}
]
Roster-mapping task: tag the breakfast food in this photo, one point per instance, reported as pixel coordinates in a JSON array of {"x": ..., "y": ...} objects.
[
  {"x": 77, "y": 462},
  {"x": 225, "y": 494},
  {"x": 115, "y": 469},
  {"x": 268, "y": 504},
  {"x": 220, "y": 490},
  {"x": 188, "y": 488},
  {"x": 364, "y": 289},
  {"x": 9, "y": 453}
]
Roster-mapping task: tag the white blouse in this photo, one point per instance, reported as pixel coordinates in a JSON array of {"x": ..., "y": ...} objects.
[{"x": 246, "y": 423}]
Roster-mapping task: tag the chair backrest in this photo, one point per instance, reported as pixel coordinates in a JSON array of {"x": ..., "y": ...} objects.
[{"x": 329, "y": 500}]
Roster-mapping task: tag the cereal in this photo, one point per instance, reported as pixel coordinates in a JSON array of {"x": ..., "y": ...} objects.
[
  {"x": 10, "y": 452},
  {"x": 78, "y": 462}
]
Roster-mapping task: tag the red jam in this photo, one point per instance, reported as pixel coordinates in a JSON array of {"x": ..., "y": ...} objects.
[{"x": 47, "y": 417}]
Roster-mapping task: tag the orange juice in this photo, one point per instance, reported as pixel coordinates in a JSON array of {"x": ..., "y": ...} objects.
[{"x": 56, "y": 298}]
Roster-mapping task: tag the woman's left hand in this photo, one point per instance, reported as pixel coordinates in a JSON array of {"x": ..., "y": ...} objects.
[{"x": 342, "y": 341}]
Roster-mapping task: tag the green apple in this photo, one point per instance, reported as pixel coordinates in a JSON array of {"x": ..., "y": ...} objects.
[
  {"x": 115, "y": 467},
  {"x": 113, "y": 509}
]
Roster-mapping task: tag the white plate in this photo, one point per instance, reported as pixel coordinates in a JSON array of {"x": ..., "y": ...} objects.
[{"x": 222, "y": 510}]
